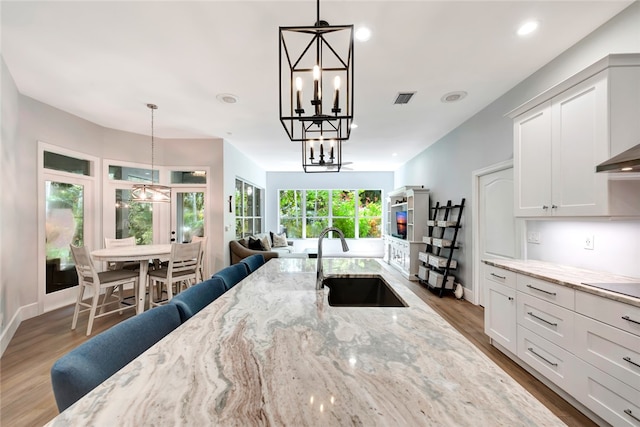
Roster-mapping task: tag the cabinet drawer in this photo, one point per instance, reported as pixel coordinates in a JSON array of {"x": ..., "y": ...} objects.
[
  {"x": 550, "y": 321},
  {"x": 614, "y": 313},
  {"x": 500, "y": 275},
  {"x": 547, "y": 358},
  {"x": 551, "y": 292},
  {"x": 614, "y": 401},
  {"x": 614, "y": 351}
]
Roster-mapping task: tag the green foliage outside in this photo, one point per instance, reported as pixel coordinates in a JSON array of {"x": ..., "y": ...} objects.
[
  {"x": 64, "y": 198},
  {"x": 343, "y": 209}
]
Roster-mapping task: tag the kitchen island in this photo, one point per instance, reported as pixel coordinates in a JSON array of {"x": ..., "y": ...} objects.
[{"x": 271, "y": 351}]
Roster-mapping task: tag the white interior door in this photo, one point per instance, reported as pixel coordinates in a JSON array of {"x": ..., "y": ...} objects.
[{"x": 496, "y": 224}]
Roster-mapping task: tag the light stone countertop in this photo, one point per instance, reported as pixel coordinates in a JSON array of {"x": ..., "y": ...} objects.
[
  {"x": 571, "y": 277},
  {"x": 271, "y": 351}
]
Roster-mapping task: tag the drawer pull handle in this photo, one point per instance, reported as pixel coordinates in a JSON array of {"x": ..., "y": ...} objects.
[
  {"x": 628, "y": 359},
  {"x": 628, "y": 412},
  {"x": 540, "y": 318},
  {"x": 627, "y": 318},
  {"x": 542, "y": 357},
  {"x": 499, "y": 277},
  {"x": 541, "y": 290}
]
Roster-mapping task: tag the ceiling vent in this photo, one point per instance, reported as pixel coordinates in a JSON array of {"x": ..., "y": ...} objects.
[{"x": 403, "y": 97}]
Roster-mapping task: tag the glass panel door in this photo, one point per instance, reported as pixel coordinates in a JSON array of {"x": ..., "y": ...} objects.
[
  {"x": 133, "y": 219},
  {"x": 188, "y": 218},
  {"x": 64, "y": 226}
]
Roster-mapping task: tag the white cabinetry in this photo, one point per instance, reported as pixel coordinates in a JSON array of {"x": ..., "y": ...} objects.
[
  {"x": 500, "y": 306},
  {"x": 403, "y": 240},
  {"x": 587, "y": 345},
  {"x": 562, "y": 134}
]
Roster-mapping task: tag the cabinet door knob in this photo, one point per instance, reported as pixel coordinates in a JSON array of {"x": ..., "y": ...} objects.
[
  {"x": 554, "y": 207},
  {"x": 510, "y": 298},
  {"x": 545, "y": 207}
]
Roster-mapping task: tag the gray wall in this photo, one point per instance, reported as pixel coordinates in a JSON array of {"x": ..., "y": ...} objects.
[{"x": 446, "y": 167}]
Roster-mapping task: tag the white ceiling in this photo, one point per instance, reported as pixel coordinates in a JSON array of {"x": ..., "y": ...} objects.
[{"x": 104, "y": 61}]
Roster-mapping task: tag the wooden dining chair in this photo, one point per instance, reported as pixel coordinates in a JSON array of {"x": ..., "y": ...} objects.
[
  {"x": 92, "y": 362},
  {"x": 182, "y": 270},
  {"x": 203, "y": 246},
  {"x": 118, "y": 243},
  {"x": 107, "y": 281}
]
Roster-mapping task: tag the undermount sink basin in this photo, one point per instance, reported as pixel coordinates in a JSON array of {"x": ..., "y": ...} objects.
[{"x": 361, "y": 291}]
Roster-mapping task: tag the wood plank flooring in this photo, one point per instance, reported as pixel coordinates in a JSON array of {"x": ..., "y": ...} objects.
[{"x": 26, "y": 397}]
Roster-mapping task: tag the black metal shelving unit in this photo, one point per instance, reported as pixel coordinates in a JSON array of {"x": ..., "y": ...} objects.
[{"x": 438, "y": 261}]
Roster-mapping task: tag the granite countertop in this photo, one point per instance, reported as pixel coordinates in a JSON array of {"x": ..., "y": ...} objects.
[
  {"x": 572, "y": 277},
  {"x": 271, "y": 351}
]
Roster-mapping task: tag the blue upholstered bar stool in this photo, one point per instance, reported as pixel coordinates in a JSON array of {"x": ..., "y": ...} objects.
[
  {"x": 193, "y": 299},
  {"x": 92, "y": 362},
  {"x": 253, "y": 262},
  {"x": 232, "y": 275}
]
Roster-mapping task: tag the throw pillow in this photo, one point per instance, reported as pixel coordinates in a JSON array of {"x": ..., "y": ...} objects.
[
  {"x": 255, "y": 244},
  {"x": 266, "y": 246},
  {"x": 279, "y": 240}
]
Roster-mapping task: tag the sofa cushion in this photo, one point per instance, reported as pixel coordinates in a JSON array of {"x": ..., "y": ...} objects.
[
  {"x": 266, "y": 244},
  {"x": 279, "y": 240},
  {"x": 255, "y": 244}
]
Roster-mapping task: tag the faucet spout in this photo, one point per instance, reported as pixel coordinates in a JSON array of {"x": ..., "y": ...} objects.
[{"x": 319, "y": 270}]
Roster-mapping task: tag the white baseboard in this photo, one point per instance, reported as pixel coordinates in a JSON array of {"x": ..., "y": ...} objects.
[{"x": 23, "y": 313}]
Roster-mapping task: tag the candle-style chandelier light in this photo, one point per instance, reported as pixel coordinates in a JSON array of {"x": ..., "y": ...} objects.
[
  {"x": 316, "y": 82},
  {"x": 321, "y": 156}
]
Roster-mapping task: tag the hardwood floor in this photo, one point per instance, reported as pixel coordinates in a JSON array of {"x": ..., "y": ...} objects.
[{"x": 26, "y": 398}]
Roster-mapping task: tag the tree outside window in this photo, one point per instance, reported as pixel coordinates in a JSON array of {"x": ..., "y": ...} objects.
[{"x": 358, "y": 213}]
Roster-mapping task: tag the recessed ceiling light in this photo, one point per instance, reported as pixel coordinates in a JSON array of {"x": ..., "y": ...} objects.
[
  {"x": 363, "y": 34},
  {"x": 453, "y": 96},
  {"x": 528, "y": 28},
  {"x": 227, "y": 98}
]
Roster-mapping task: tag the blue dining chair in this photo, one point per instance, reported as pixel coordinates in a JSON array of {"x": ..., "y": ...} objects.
[
  {"x": 253, "y": 262},
  {"x": 232, "y": 275},
  {"x": 92, "y": 362},
  {"x": 193, "y": 299}
]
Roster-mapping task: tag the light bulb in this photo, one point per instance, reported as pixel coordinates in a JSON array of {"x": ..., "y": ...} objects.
[
  {"x": 316, "y": 72},
  {"x": 336, "y": 83},
  {"x": 298, "y": 84}
]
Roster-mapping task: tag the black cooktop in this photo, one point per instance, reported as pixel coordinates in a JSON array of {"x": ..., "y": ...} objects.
[{"x": 629, "y": 289}]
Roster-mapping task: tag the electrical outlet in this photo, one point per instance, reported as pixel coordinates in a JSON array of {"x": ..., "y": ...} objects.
[
  {"x": 533, "y": 237},
  {"x": 588, "y": 242}
]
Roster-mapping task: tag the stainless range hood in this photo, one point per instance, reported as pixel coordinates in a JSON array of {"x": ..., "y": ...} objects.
[{"x": 627, "y": 161}]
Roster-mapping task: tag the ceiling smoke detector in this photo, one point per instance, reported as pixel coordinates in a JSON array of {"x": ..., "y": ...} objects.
[
  {"x": 403, "y": 97},
  {"x": 453, "y": 96}
]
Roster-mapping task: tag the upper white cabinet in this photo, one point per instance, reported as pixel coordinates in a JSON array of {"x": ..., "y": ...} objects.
[{"x": 561, "y": 135}]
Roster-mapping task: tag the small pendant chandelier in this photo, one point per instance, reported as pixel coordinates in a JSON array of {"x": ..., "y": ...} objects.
[
  {"x": 321, "y": 156},
  {"x": 151, "y": 193},
  {"x": 315, "y": 61}
]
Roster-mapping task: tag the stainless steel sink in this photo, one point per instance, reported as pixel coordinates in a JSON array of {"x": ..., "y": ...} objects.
[{"x": 361, "y": 291}]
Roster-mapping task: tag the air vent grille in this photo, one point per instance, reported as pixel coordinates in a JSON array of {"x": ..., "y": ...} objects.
[{"x": 403, "y": 97}]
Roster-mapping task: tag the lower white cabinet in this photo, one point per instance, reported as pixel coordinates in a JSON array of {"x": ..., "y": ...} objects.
[
  {"x": 500, "y": 307},
  {"x": 550, "y": 360},
  {"x": 614, "y": 401},
  {"x": 587, "y": 345}
]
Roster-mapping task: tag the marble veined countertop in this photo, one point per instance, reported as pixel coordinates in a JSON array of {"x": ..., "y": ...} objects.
[
  {"x": 271, "y": 351},
  {"x": 572, "y": 277}
]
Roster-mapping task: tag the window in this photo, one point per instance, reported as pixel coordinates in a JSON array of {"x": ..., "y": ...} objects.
[
  {"x": 248, "y": 209},
  {"x": 358, "y": 213},
  {"x": 64, "y": 163}
]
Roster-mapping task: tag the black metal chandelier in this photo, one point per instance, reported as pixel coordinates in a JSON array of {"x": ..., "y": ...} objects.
[
  {"x": 321, "y": 156},
  {"x": 315, "y": 61}
]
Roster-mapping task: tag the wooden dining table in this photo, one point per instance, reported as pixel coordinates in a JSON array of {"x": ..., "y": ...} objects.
[{"x": 140, "y": 253}]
